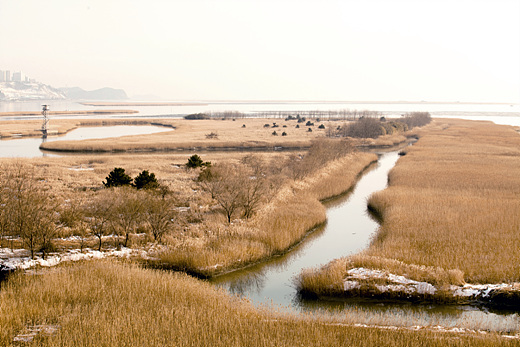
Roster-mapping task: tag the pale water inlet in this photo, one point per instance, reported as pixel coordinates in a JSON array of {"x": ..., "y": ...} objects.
[{"x": 29, "y": 147}]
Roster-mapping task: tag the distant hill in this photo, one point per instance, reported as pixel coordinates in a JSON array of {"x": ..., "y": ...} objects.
[{"x": 98, "y": 94}]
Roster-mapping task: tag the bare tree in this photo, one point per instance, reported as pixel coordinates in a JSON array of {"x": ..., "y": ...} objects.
[
  {"x": 224, "y": 183},
  {"x": 255, "y": 185},
  {"x": 5, "y": 192},
  {"x": 97, "y": 215},
  {"x": 30, "y": 211},
  {"x": 127, "y": 212},
  {"x": 237, "y": 187},
  {"x": 158, "y": 214}
]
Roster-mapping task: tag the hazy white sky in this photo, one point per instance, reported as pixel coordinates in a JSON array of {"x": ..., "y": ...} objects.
[{"x": 450, "y": 50}]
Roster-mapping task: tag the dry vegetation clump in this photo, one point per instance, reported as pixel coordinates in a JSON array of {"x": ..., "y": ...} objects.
[
  {"x": 286, "y": 214},
  {"x": 106, "y": 303},
  {"x": 373, "y": 128},
  {"x": 448, "y": 215}
]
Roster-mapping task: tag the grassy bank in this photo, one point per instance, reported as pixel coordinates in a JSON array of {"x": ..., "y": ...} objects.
[
  {"x": 278, "y": 225},
  {"x": 112, "y": 304},
  {"x": 201, "y": 135},
  {"x": 220, "y": 135},
  {"x": 449, "y": 214}
]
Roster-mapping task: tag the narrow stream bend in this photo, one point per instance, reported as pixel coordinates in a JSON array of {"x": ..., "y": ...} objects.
[{"x": 348, "y": 230}]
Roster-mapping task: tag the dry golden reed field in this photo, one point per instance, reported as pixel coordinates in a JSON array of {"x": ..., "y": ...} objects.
[
  {"x": 124, "y": 303},
  {"x": 450, "y": 214},
  {"x": 453, "y": 203},
  {"x": 107, "y": 303}
]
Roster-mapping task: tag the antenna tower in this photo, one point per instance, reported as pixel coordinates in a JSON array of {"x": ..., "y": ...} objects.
[{"x": 45, "y": 120}]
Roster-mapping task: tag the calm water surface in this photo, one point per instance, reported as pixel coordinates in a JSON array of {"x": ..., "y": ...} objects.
[
  {"x": 29, "y": 147},
  {"x": 348, "y": 230},
  {"x": 473, "y": 110}
]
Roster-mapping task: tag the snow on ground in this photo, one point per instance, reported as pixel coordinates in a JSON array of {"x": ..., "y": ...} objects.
[
  {"x": 19, "y": 259},
  {"x": 401, "y": 284},
  {"x": 397, "y": 283}
]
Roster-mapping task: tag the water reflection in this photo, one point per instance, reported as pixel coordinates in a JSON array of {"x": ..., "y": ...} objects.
[
  {"x": 254, "y": 280},
  {"x": 349, "y": 229},
  {"x": 29, "y": 147}
]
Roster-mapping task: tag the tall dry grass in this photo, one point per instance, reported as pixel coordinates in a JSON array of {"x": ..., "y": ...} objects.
[
  {"x": 112, "y": 304},
  {"x": 277, "y": 226},
  {"x": 450, "y": 213},
  {"x": 453, "y": 202}
]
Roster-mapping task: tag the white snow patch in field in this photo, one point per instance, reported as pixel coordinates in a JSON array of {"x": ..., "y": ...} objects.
[
  {"x": 19, "y": 259},
  {"x": 402, "y": 284},
  {"x": 397, "y": 283},
  {"x": 349, "y": 285}
]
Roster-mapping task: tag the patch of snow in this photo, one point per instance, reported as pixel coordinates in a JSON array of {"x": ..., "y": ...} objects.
[
  {"x": 349, "y": 285},
  {"x": 81, "y": 168},
  {"x": 408, "y": 286},
  {"x": 24, "y": 262},
  {"x": 398, "y": 283}
]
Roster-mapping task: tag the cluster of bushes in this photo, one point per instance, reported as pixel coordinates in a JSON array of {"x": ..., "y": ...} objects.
[
  {"x": 240, "y": 188},
  {"x": 30, "y": 211},
  {"x": 216, "y": 115},
  {"x": 197, "y": 116},
  {"x": 369, "y": 127},
  {"x": 118, "y": 178}
]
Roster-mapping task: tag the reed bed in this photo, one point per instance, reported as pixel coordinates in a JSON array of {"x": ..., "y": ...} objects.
[
  {"x": 106, "y": 303},
  {"x": 278, "y": 225},
  {"x": 193, "y": 134},
  {"x": 449, "y": 215},
  {"x": 452, "y": 202}
]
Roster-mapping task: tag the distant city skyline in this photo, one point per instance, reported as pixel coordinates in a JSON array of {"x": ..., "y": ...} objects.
[
  {"x": 15, "y": 76},
  {"x": 417, "y": 50}
]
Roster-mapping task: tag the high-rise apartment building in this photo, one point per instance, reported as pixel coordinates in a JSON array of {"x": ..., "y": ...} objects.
[{"x": 17, "y": 76}]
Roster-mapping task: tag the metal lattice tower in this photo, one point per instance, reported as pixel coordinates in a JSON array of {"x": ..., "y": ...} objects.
[{"x": 45, "y": 120}]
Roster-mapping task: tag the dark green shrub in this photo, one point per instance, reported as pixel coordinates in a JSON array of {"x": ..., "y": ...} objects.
[
  {"x": 117, "y": 178},
  {"x": 195, "y": 161},
  {"x": 146, "y": 180}
]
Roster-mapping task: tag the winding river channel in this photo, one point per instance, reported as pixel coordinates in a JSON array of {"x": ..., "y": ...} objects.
[{"x": 348, "y": 230}]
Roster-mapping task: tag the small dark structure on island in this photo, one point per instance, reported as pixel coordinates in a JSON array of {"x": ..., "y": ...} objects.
[{"x": 45, "y": 121}]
